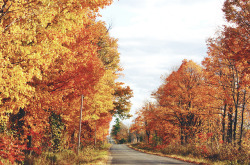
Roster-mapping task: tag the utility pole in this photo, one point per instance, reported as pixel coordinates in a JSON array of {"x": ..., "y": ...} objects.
[
  {"x": 95, "y": 133},
  {"x": 80, "y": 121},
  {"x": 103, "y": 140}
]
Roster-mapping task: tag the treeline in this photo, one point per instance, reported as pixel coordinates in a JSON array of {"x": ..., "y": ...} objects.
[
  {"x": 51, "y": 53},
  {"x": 208, "y": 105},
  {"x": 120, "y": 132}
]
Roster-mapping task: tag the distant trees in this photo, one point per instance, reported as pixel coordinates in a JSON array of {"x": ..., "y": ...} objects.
[{"x": 120, "y": 132}]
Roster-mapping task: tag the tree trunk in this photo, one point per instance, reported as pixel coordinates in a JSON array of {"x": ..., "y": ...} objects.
[
  {"x": 182, "y": 138},
  {"x": 242, "y": 118},
  {"x": 223, "y": 123},
  {"x": 103, "y": 140},
  {"x": 236, "y": 103},
  {"x": 95, "y": 133},
  {"x": 80, "y": 124},
  {"x": 235, "y": 94},
  {"x": 29, "y": 144},
  {"x": 137, "y": 138},
  {"x": 230, "y": 125},
  {"x": 148, "y": 135}
]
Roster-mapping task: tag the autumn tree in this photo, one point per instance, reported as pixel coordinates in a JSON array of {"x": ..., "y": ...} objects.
[
  {"x": 231, "y": 80},
  {"x": 237, "y": 34},
  {"x": 52, "y": 52},
  {"x": 120, "y": 132},
  {"x": 152, "y": 124},
  {"x": 137, "y": 129},
  {"x": 227, "y": 66},
  {"x": 122, "y": 101},
  {"x": 183, "y": 96}
]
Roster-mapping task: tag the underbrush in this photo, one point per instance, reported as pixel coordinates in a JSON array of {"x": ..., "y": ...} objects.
[
  {"x": 87, "y": 155},
  {"x": 220, "y": 154}
]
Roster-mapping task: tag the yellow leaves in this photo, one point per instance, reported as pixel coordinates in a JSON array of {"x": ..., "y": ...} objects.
[
  {"x": 103, "y": 99},
  {"x": 94, "y": 117},
  {"x": 13, "y": 85},
  {"x": 49, "y": 55}
]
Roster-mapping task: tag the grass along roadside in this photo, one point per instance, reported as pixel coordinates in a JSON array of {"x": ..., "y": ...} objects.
[
  {"x": 87, "y": 156},
  {"x": 146, "y": 150},
  {"x": 188, "y": 158}
]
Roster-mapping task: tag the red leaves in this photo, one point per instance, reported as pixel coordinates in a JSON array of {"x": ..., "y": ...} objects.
[
  {"x": 204, "y": 136},
  {"x": 58, "y": 53},
  {"x": 11, "y": 149}
]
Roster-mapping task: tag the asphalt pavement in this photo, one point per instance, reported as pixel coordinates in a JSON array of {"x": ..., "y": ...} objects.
[{"x": 123, "y": 155}]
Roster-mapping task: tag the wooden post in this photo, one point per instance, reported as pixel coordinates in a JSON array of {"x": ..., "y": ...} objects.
[
  {"x": 103, "y": 140},
  {"x": 80, "y": 121}
]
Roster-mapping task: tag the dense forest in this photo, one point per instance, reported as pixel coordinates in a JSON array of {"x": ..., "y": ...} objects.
[{"x": 51, "y": 54}]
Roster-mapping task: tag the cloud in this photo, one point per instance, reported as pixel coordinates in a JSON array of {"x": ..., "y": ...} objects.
[
  {"x": 156, "y": 35},
  {"x": 173, "y": 27}
]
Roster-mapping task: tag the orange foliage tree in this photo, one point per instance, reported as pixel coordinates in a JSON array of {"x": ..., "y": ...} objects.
[
  {"x": 52, "y": 52},
  {"x": 209, "y": 103},
  {"x": 154, "y": 125},
  {"x": 227, "y": 68},
  {"x": 182, "y": 95}
]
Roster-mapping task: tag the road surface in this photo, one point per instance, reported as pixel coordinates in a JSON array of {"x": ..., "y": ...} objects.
[{"x": 123, "y": 155}]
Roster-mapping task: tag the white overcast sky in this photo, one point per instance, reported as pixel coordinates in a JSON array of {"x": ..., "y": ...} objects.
[{"x": 156, "y": 35}]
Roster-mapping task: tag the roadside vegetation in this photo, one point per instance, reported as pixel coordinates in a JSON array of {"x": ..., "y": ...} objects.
[
  {"x": 223, "y": 155},
  {"x": 89, "y": 155}
]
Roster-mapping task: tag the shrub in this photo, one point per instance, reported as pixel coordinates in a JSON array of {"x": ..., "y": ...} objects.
[
  {"x": 225, "y": 152},
  {"x": 88, "y": 154}
]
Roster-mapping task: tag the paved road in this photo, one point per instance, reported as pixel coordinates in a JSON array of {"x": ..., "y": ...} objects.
[{"x": 123, "y": 155}]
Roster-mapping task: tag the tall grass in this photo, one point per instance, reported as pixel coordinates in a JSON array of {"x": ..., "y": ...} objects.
[
  {"x": 223, "y": 153},
  {"x": 87, "y": 155}
]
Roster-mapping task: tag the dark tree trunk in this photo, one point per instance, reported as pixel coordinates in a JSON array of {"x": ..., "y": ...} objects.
[
  {"x": 236, "y": 95},
  {"x": 236, "y": 116},
  {"x": 223, "y": 123},
  {"x": 29, "y": 144},
  {"x": 242, "y": 118},
  {"x": 72, "y": 137},
  {"x": 182, "y": 137},
  {"x": 230, "y": 125},
  {"x": 148, "y": 136}
]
